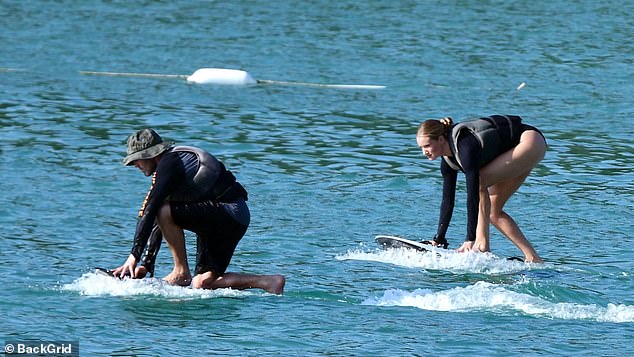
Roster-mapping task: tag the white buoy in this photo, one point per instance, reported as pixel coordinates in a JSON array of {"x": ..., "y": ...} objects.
[
  {"x": 221, "y": 76},
  {"x": 226, "y": 76}
]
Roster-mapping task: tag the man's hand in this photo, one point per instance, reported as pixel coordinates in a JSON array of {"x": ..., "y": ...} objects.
[
  {"x": 140, "y": 272},
  {"x": 128, "y": 268}
]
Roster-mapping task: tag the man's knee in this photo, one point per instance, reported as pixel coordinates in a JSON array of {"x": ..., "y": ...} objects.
[{"x": 165, "y": 214}]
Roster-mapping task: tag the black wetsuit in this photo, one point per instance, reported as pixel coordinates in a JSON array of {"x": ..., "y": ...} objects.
[
  {"x": 219, "y": 218},
  {"x": 470, "y": 151}
]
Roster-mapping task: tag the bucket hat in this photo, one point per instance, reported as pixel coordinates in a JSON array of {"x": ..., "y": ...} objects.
[{"x": 145, "y": 144}]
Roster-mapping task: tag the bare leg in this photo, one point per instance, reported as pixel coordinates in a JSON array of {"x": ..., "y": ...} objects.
[
  {"x": 175, "y": 238},
  {"x": 500, "y": 193},
  {"x": 502, "y": 178},
  {"x": 482, "y": 230},
  {"x": 271, "y": 283}
]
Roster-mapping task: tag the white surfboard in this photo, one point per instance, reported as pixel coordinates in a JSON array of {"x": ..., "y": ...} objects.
[{"x": 393, "y": 242}]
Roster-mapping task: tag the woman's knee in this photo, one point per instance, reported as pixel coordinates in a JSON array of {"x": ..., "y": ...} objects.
[
  {"x": 496, "y": 216},
  {"x": 535, "y": 145},
  {"x": 498, "y": 200}
]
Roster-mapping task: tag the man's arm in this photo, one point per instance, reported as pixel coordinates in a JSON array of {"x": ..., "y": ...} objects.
[
  {"x": 169, "y": 175},
  {"x": 153, "y": 247}
]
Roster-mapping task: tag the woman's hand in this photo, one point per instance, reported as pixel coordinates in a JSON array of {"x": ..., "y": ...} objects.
[
  {"x": 477, "y": 246},
  {"x": 465, "y": 247}
]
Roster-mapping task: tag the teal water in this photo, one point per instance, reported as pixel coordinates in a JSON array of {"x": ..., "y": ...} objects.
[{"x": 326, "y": 169}]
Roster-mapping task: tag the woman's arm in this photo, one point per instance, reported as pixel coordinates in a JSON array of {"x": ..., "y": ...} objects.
[
  {"x": 470, "y": 152},
  {"x": 449, "y": 178}
]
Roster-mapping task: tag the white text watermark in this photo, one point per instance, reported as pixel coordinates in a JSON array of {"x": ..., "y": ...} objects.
[{"x": 42, "y": 348}]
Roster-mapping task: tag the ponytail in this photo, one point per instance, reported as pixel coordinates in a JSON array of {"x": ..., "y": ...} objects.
[
  {"x": 447, "y": 122},
  {"x": 435, "y": 128}
]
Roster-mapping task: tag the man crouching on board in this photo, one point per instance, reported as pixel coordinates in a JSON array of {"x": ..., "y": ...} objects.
[{"x": 191, "y": 190}]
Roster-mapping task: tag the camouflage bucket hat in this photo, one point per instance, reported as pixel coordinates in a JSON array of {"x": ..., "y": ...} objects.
[{"x": 145, "y": 144}]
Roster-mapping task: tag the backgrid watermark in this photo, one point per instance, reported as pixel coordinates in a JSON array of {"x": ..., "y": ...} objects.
[{"x": 41, "y": 348}]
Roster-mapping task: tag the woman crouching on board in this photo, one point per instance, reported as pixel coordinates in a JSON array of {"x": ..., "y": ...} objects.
[{"x": 496, "y": 154}]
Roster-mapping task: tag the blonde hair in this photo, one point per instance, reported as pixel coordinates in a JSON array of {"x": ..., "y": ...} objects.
[{"x": 435, "y": 128}]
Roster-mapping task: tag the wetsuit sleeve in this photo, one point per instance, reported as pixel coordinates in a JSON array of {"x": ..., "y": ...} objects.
[
  {"x": 153, "y": 247},
  {"x": 470, "y": 152},
  {"x": 449, "y": 178},
  {"x": 170, "y": 174}
]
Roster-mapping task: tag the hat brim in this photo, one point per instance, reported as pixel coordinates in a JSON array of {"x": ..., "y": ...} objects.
[{"x": 148, "y": 153}]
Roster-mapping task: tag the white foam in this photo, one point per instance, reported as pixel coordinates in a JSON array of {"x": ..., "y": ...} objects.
[
  {"x": 449, "y": 260},
  {"x": 484, "y": 296},
  {"x": 92, "y": 284}
]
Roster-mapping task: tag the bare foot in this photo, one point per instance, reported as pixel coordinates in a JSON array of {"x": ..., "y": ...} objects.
[
  {"x": 274, "y": 284},
  {"x": 533, "y": 259},
  {"x": 181, "y": 279}
]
